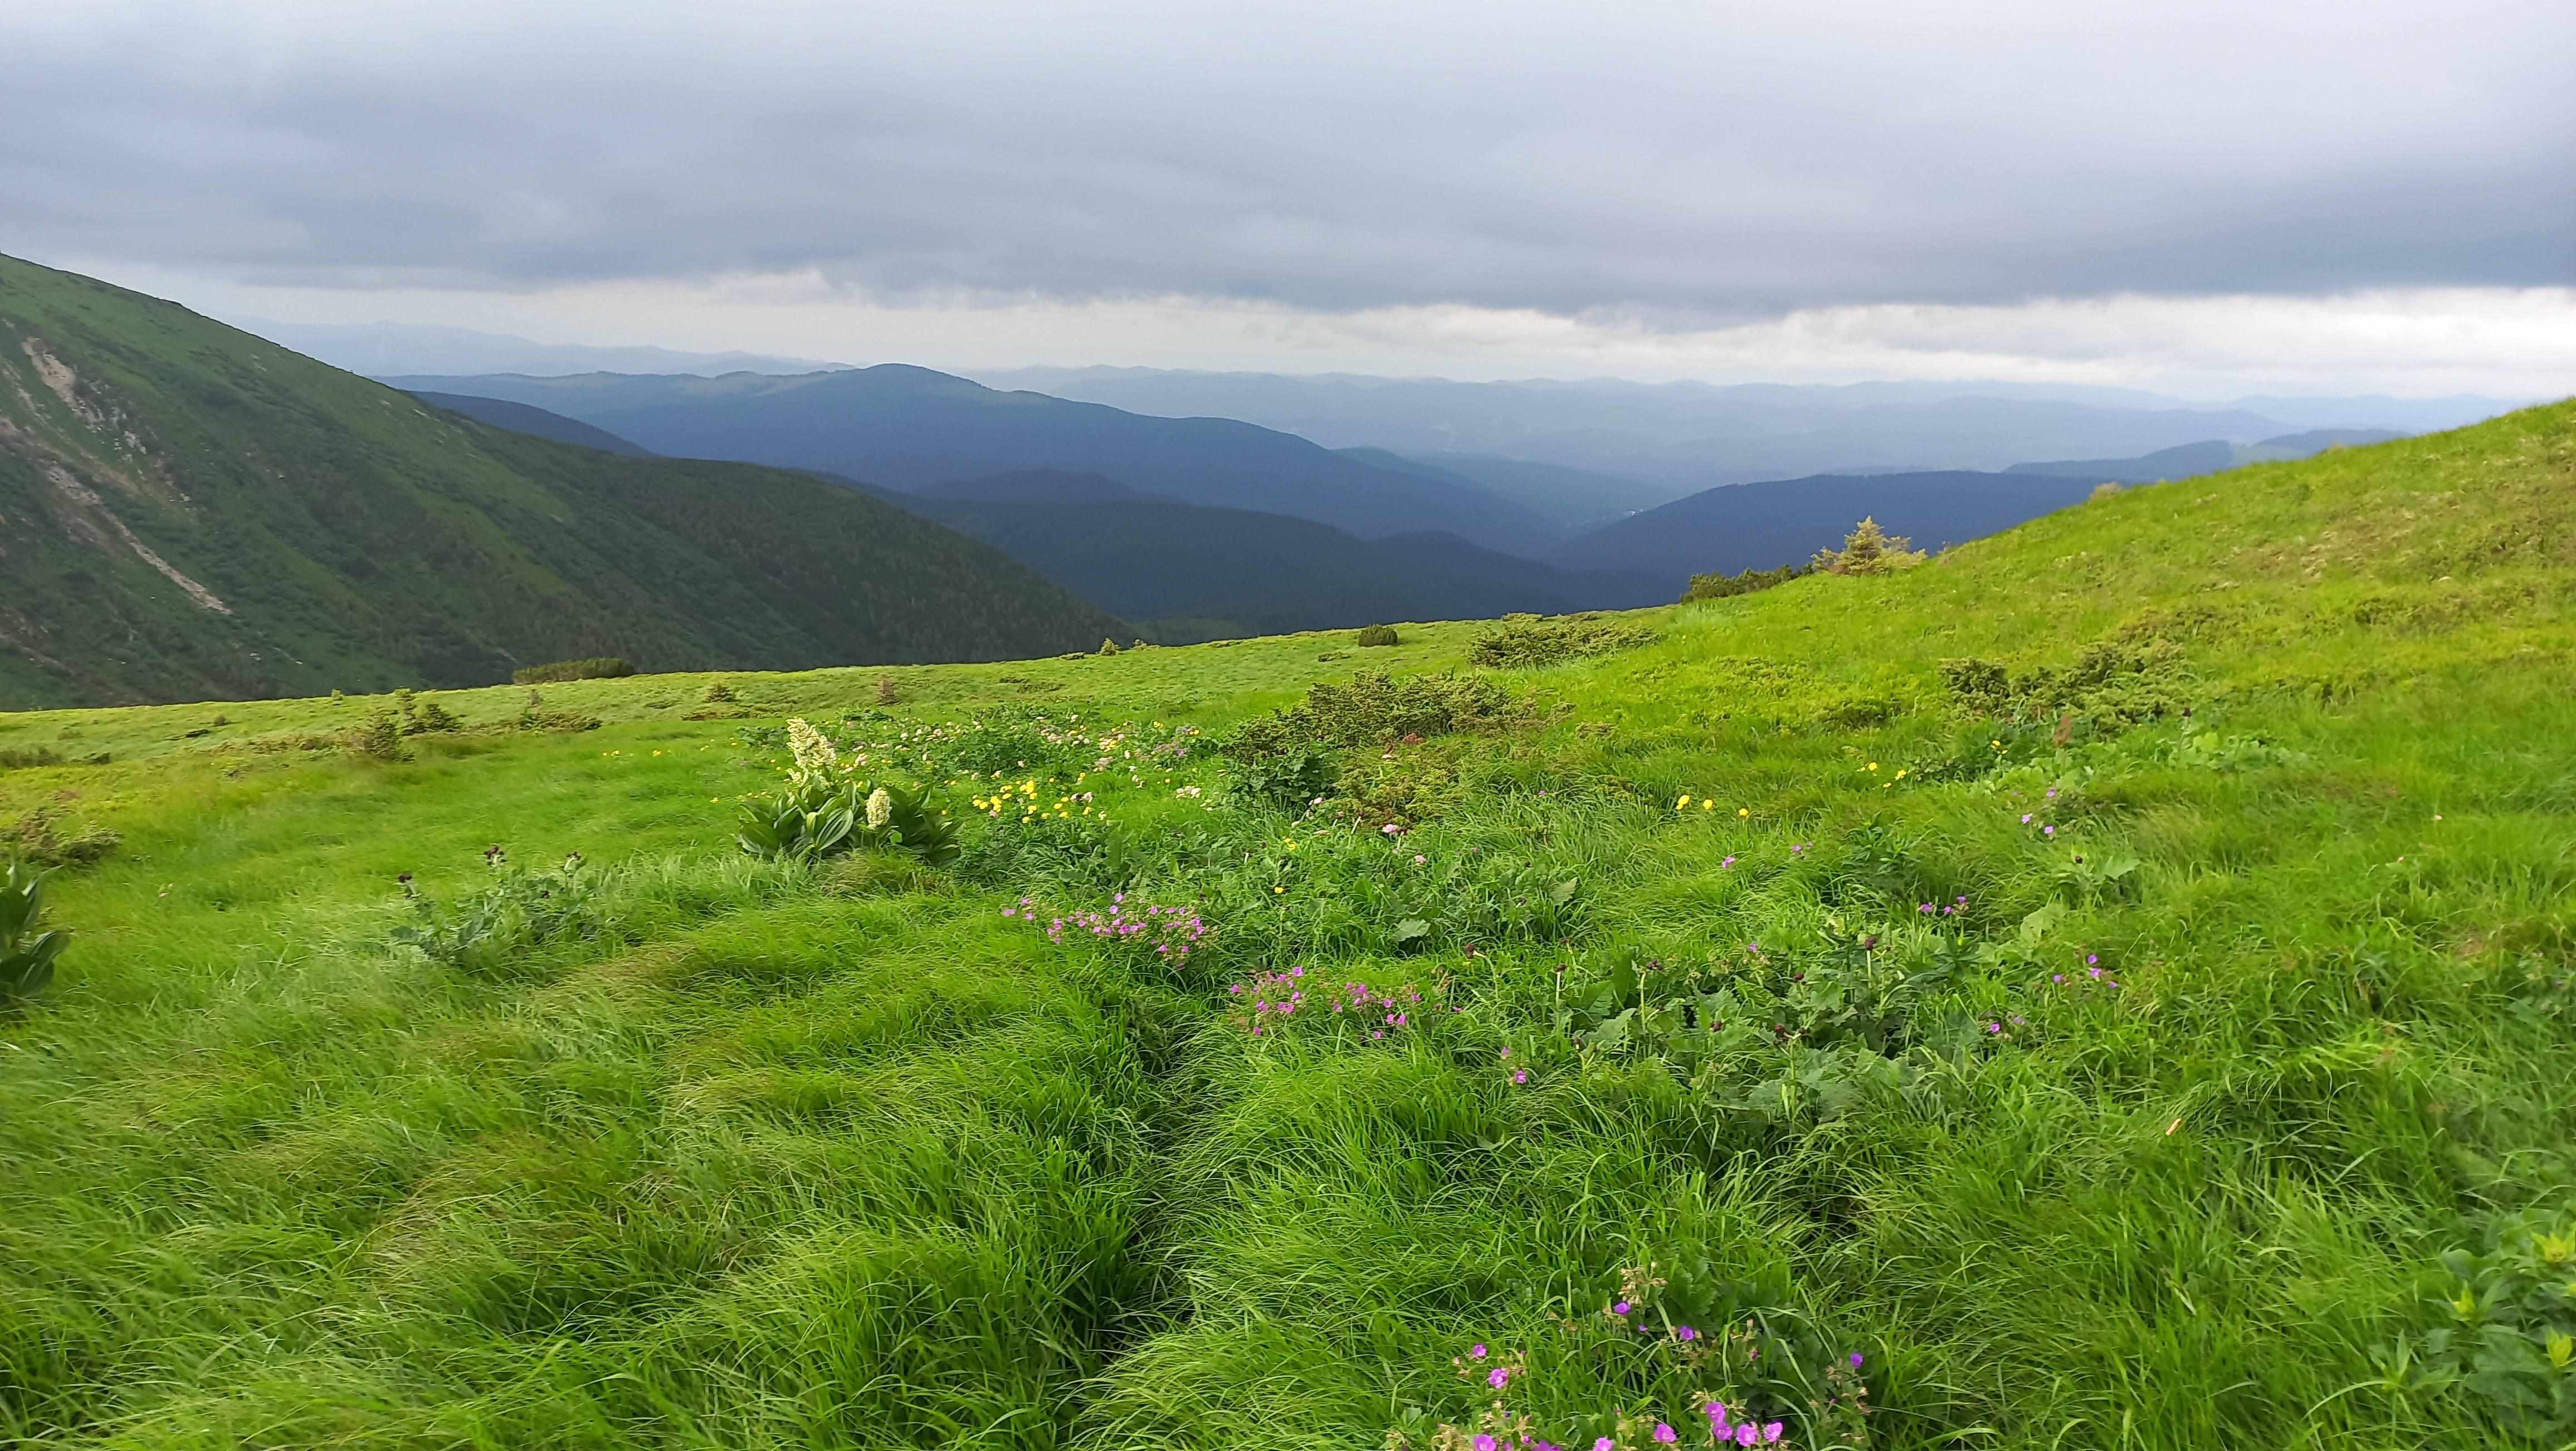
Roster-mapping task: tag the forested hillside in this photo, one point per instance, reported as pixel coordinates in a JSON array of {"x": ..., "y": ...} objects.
[{"x": 189, "y": 512}]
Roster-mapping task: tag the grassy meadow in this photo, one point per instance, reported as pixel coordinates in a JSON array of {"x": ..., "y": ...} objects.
[{"x": 2107, "y": 986}]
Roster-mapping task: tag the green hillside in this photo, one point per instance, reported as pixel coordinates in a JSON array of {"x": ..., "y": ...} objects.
[
  {"x": 188, "y": 512},
  {"x": 2120, "y": 996}
]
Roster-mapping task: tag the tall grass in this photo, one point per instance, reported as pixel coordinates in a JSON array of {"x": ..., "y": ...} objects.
[{"x": 769, "y": 1156}]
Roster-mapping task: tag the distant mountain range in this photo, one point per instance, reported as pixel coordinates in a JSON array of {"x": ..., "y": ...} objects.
[
  {"x": 378, "y": 349},
  {"x": 1762, "y": 526},
  {"x": 906, "y": 428},
  {"x": 188, "y": 512},
  {"x": 1189, "y": 572},
  {"x": 1676, "y": 438}
]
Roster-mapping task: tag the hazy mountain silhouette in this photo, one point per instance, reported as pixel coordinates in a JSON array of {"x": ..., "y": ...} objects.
[{"x": 906, "y": 428}]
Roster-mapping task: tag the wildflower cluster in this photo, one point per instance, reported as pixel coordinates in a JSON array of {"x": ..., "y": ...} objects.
[
  {"x": 1166, "y": 934},
  {"x": 1265, "y": 1004},
  {"x": 1024, "y": 800},
  {"x": 2093, "y": 975}
]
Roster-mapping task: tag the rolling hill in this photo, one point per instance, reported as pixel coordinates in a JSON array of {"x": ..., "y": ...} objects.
[
  {"x": 906, "y": 428},
  {"x": 1189, "y": 572},
  {"x": 190, "y": 512}
]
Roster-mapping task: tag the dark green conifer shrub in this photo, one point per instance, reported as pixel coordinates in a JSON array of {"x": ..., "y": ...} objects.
[
  {"x": 380, "y": 739},
  {"x": 1717, "y": 586},
  {"x": 1519, "y": 642}
]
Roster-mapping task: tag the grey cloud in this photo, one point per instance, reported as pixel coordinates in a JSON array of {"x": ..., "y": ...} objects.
[{"x": 1680, "y": 164}]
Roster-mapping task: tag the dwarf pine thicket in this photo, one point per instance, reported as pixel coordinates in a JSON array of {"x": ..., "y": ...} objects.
[{"x": 2106, "y": 985}]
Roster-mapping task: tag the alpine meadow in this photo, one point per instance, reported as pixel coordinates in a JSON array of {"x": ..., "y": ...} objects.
[{"x": 2104, "y": 985}]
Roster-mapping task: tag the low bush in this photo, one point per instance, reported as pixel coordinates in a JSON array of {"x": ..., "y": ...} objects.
[
  {"x": 1520, "y": 642},
  {"x": 597, "y": 667},
  {"x": 1868, "y": 549},
  {"x": 27, "y": 756},
  {"x": 380, "y": 739},
  {"x": 33, "y": 839},
  {"x": 1718, "y": 586},
  {"x": 1375, "y": 635},
  {"x": 2131, "y": 677}
]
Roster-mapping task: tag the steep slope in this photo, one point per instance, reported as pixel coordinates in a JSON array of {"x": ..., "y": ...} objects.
[
  {"x": 1761, "y": 526},
  {"x": 1189, "y": 572},
  {"x": 187, "y": 511},
  {"x": 905, "y": 428}
]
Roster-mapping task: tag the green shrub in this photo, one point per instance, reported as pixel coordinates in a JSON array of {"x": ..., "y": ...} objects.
[
  {"x": 380, "y": 739},
  {"x": 1868, "y": 549},
  {"x": 30, "y": 756},
  {"x": 420, "y": 715},
  {"x": 2128, "y": 678},
  {"x": 1379, "y": 635},
  {"x": 534, "y": 716},
  {"x": 1520, "y": 642},
  {"x": 718, "y": 693},
  {"x": 598, "y": 667},
  {"x": 1720, "y": 586},
  {"x": 26, "y": 955},
  {"x": 34, "y": 841}
]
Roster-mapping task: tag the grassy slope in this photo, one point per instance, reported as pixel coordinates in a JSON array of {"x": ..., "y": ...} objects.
[
  {"x": 874, "y": 1166},
  {"x": 356, "y": 539}
]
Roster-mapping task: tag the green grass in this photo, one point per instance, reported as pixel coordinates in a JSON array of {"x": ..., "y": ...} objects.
[{"x": 849, "y": 1158}]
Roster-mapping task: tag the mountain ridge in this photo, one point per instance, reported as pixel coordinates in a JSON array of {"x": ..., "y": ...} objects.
[
  {"x": 189, "y": 511},
  {"x": 903, "y": 427}
]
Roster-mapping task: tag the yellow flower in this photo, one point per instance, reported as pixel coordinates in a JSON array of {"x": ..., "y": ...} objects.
[
  {"x": 1705, "y": 804},
  {"x": 1279, "y": 889},
  {"x": 1684, "y": 803},
  {"x": 1744, "y": 811}
]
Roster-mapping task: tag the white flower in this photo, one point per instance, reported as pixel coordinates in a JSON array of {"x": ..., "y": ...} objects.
[
  {"x": 812, "y": 749},
  {"x": 880, "y": 809}
]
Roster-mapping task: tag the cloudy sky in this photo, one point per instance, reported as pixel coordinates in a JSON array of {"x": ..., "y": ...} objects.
[{"x": 2204, "y": 198}]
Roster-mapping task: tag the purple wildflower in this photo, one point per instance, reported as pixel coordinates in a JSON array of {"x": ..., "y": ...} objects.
[
  {"x": 1664, "y": 1433},
  {"x": 1500, "y": 1377}
]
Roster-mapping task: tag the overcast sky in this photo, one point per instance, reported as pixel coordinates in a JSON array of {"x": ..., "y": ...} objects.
[{"x": 2322, "y": 197}]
